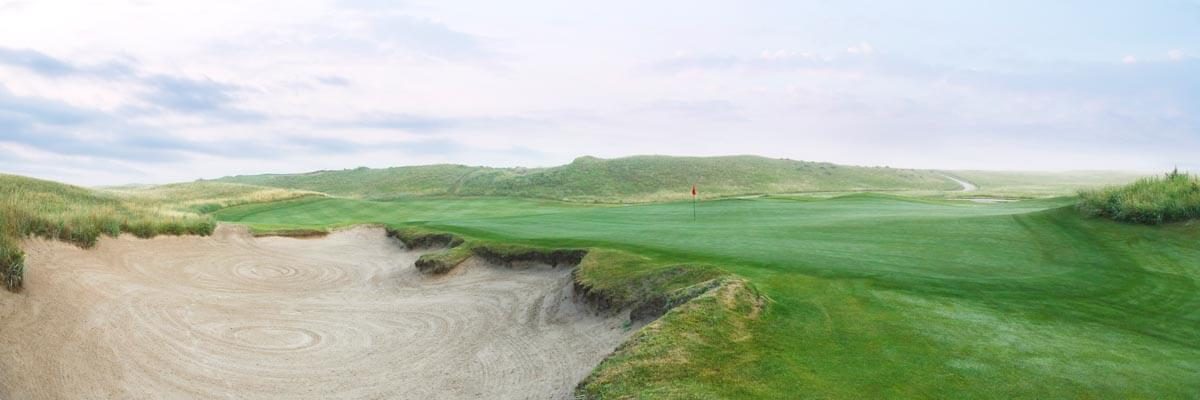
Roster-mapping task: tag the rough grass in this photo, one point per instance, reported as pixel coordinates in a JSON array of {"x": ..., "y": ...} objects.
[
  {"x": 1155, "y": 200},
  {"x": 455, "y": 250},
  {"x": 622, "y": 280},
  {"x": 590, "y": 179},
  {"x": 687, "y": 353},
  {"x": 202, "y": 197},
  {"x": 872, "y": 296},
  {"x": 32, "y": 207},
  {"x": 12, "y": 263},
  {"x": 1032, "y": 184},
  {"x": 443, "y": 261},
  {"x": 417, "y": 238},
  {"x": 609, "y": 279}
]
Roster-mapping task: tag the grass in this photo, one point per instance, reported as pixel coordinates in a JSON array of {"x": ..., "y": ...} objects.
[
  {"x": 871, "y": 296},
  {"x": 636, "y": 179},
  {"x": 32, "y": 207},
  {"x": 201, "y": 197},
  {"x": 1154, "y": 200},
  {"x": 681, "y": 348},
  {"x": 1031, "y": 184},
  {"x": 609, "y": 279}
]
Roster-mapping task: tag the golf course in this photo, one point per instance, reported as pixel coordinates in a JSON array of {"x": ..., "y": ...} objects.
[
  {"x": 835, "y": 282},
  {"x": 599, "y": 200}
]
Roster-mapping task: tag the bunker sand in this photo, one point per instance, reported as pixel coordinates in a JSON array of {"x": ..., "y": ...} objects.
[{"x": 233, "y": 316}]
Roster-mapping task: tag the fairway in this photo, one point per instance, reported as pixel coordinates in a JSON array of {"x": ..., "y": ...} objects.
[{"x": 879, "y": 296}]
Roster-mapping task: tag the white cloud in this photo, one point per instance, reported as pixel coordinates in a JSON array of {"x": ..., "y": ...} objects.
[
  {"x": 1129, "y": 59},
  {"x": 863, "y": 48},
  {"x": 1175, "y": 54},
  {"x": 465, "y": 82}
]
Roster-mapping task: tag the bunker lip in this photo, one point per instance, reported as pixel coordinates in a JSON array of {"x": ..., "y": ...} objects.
[
  {"x": 267, "y": 317},
  {"x": 449, "y": 251}
]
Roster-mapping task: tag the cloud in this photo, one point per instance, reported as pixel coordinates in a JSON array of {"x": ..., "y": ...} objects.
[
  {"x": 428, "y": 36},
  {"x": 161, "y": 91},
  {"x": 416, "y": 123},
  {"x": 1129, "y": 59},
  {"x": 189, "y": 94},
  {"x": 692, "y": 110},
  {"x": 46, "y": 65},
  {"x": 197, "y": 96},
  {"x": 36, "y": 61},
  {"x": 59, "y": 128},
  {"x": 372, "y": 33},
  {"x": 332, "y": 145},
  {"x": 863, "y": 48},
  {"x": 766, "y": 60},
  {"x": 333, "y": 80},
  {"x": 253, "y": 87},
  {"x": 403, "y": 122},
  {"x": 28, "y": 111}
]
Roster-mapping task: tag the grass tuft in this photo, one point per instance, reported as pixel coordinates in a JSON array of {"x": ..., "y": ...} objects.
[
  {"x": 12, "y": 264},
  {"x": 1171, "y": 198},
  {"x": 686, "y": 353}
]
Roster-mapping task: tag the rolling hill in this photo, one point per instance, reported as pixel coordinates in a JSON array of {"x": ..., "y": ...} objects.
[
  {"x": 627, "y": 179},
  {"x": 35, "y": 207}
]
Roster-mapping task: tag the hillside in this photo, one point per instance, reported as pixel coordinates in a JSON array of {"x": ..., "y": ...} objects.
[
  {"x": 628, "y": 179},
  {"x": 34, "y": 207},
  {"x": 1025, "y": 184}
]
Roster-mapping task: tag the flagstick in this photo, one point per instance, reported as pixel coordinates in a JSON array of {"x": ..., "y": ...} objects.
[{"x": 693, "y": 208}]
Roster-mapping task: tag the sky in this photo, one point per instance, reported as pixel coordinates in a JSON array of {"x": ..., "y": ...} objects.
[{"x": 145, "y": 91}]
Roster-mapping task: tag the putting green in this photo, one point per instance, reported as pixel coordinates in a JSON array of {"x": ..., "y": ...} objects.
[{"x": 879, "y": 296}]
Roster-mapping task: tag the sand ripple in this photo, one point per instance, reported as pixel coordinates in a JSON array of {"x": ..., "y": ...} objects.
[{"x": 231, "y": 316}]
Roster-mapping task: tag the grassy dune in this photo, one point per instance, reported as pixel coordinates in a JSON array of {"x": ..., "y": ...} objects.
[
  {"x": 590, "y": 179},
  {"x": 870, "y": 296},
  {"x": 1030, "y": 184},
  {"x": 32, "y": 207},
  {"x": 1174, "y": 197}
]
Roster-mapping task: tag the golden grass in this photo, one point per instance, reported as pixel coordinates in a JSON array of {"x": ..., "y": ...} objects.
[{"x": 33, "y": 207}]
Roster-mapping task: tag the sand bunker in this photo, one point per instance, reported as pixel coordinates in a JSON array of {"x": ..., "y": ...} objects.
[{"x": 345, "y": 316}]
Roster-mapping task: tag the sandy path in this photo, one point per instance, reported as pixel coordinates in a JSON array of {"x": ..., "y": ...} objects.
[
  {"x": 966, "y": 186},
  {"x": 231, "y": 316}
]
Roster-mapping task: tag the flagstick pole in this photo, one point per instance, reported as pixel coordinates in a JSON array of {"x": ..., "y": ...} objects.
[{"x": 693, "y": 208}]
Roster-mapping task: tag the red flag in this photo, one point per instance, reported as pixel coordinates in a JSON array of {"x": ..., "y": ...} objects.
[{"x": 693, "y": 190}]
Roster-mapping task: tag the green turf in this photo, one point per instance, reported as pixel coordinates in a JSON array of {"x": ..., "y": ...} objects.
[
  {"x": 628, "y": 179},
  {"x": 875, "y": 296}
]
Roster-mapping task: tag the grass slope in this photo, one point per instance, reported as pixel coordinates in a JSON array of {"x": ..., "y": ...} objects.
[
  {"x": 33, "y": 207},
  {"x": 1030, "y": 184},
  {"x": 872, "y": 296},
  {"x": 590, "y": 179}
]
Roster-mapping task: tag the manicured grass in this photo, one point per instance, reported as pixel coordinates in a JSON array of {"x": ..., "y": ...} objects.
[{"x": 871, "y": 296}]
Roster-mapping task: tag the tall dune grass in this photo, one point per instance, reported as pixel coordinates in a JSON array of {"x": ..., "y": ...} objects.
[
  {"x": 1156, "y": 200},
  {"x": 32, "y": 207},
  {"x": 636, "y": 179}
]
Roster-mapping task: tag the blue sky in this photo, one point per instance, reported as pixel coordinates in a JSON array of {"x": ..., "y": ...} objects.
[{"x": 149, "y": 91}]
